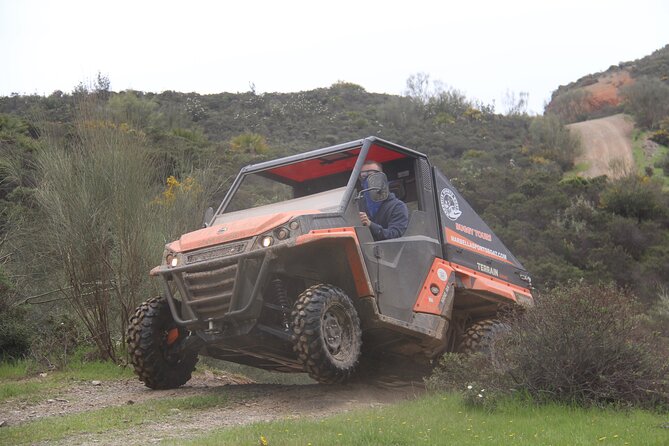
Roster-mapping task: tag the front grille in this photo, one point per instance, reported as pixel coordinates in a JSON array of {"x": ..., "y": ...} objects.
[
  {"x": 220, "y": 251},
  {"x": 211, "y": 291}
]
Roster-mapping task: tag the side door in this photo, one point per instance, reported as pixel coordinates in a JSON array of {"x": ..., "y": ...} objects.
[{"x": 398, "y": 267}]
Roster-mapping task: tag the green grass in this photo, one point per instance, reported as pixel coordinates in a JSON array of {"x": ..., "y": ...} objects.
[
  {"x": 577, "y": 170},
  {"x": 14, "y": 369},
  {"x": 26, "y": 390},
  {"x": 17, "y": 381},
  {"x": 641, "y": 161},
  {"x": 442, "y": 419},
  {"x": 106, "y": 419}
]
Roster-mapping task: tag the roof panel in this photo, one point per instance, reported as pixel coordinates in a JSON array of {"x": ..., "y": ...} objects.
[{"x": 332, "y": 163}]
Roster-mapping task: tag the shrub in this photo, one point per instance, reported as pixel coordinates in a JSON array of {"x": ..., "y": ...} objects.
[
  {"x": 661, "y": 137},
  {"x": 551, "y": 140},
  {"x": 15, "y": 334},
  {"x": 648, "y": 100},
  {"x": 636, "y": 197},
  {"x": 249, "y": 143},
  {"x": 584, "y": 344},
  {"x": 572, "y": 105}
]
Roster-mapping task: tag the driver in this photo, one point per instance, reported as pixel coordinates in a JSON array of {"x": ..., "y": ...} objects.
[{"x": 386, "y": 219}]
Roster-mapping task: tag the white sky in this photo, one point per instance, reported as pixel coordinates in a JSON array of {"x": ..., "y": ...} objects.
[{"x": 480, "y": 47}]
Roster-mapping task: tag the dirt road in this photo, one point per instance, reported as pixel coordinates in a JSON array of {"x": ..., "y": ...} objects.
[
  {"x": 607, "y": 145},
  {"x": 246, "y": 403}
]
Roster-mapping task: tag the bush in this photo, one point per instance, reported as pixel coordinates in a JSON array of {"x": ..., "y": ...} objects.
[
  {"x": 15, "y": 334},
  {"x": 580, "y": 344},
  {"x": 634, "y": 197},
  {"x": 648, "y": 100},
  {"x": 584, "y": 344},
  {"x": 249, "y": 143},
  {"x": 661, "y": 137},
  {"x": 551, "y": 140},
  {"x": 571, "y": 106}
]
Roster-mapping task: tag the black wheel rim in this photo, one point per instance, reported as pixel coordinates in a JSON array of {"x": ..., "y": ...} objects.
[{"x": 337, "y": 332}]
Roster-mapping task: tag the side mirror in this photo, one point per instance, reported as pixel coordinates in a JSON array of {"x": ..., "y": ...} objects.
[
  {"x": 377, "y": 186},
  {"x": 208, "y": 215}
]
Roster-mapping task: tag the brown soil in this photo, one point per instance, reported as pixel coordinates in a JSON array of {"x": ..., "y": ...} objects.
[
  {"x": 247, "y": 403},
  {"x": 607, "y": 145},
  {"x": 606, "y": 91}
]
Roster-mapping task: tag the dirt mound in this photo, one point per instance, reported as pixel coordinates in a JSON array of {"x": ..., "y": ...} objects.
[{"x": 607, "y": 145}]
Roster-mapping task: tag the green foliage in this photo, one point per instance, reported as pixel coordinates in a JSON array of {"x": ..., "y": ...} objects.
[
  {"x": 551, "y": 140},
  {"x": 647, "y": 100},
  {"x": 571, "y": 105},
  {"x": 95, "y": 198},
  {"x": 252, "y": 143},
  {"x": 127, "y": 107},
  {"x": 195, "y": 136},
  {"x": 635, "y": 197},
  {"x": 583, "y": 344},
  {"x": 661, "y": 137},
  {"x": 15, "y": 333},
  {"x": 102, "y": 86}
]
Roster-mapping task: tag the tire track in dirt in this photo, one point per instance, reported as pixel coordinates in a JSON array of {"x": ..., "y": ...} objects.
[
  {"x": 607, "y": 145},
  {"x": 247, "y": 403}
]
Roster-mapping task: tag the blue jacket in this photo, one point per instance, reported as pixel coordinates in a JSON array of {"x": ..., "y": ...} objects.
[{"x": 391, "y": 220}]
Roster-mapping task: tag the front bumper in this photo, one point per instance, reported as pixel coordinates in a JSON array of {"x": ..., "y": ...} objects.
[{"x": 218, "y": 291}]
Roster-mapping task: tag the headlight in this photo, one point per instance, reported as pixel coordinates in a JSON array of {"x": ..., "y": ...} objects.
[
  {"x": 171, "y": 258},
  {"x": 282, "y": 233},
  {"x": 266, "y": 241}
]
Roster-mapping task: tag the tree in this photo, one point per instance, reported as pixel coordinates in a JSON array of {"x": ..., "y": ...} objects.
[{"x": 102, "y": 86}]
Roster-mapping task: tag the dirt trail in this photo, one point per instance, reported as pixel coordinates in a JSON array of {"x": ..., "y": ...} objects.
[
  {"x": 607, "y": 145},
  {"x": 246, "y": 404}
]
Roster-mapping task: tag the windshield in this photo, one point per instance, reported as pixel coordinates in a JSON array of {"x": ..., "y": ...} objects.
[
  {"x": 315, "y": 184},
  {"x": 258, "y": 195}
]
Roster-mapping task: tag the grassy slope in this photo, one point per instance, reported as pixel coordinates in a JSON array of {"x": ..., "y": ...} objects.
[{"x": 642, "y": 161}]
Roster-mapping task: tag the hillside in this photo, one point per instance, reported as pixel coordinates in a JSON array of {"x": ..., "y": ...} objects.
[
  {"x": 72, "y": 164},
  {"x": 599, "y": 94}
]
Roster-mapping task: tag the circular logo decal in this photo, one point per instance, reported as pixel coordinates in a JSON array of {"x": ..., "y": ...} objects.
[
  {"x": 449, "y": 204},
  {"x": 442, "y": 275}
]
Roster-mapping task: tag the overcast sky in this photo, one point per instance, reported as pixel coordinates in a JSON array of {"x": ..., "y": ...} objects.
[{"x": 482, "y": 48}]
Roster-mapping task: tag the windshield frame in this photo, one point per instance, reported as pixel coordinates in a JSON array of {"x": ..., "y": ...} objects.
[
  {"x": 350, "y": 186},
  {"x": 388, "y": 150}
]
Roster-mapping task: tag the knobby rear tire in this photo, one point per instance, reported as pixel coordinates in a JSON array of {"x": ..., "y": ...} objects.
[{"x": 479, "y": 336}]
